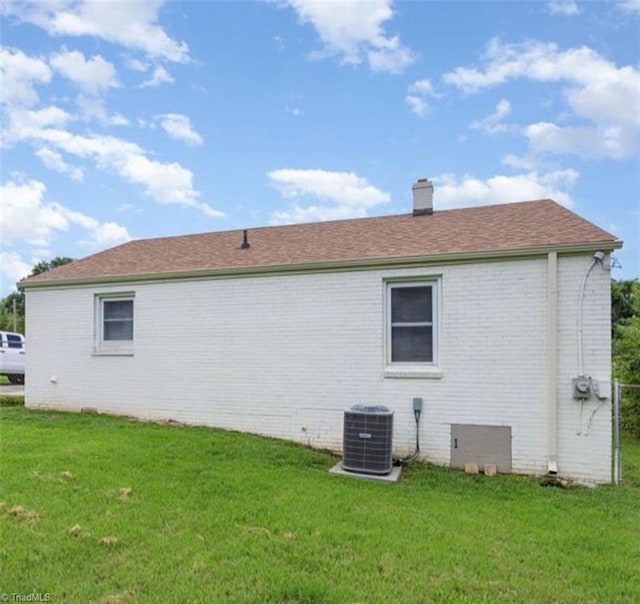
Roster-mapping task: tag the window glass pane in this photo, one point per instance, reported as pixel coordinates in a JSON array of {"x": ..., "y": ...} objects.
[
  {"x": 412, "y": 344},
  {"x": 411, "y": 304},
  {"x": 117, "y": 320},
  {"x": 14, "y": 341},
  {"x": 118, "y": 330},
  {"x": 118, "y": 309}
]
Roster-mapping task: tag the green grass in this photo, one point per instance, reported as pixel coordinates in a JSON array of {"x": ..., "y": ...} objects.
[
  {"x": 11, "y": 400},
  {"x": 217, "y": 516}
]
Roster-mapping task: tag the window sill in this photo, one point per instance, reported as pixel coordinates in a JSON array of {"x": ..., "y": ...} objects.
[
  {"x": 113, "y": 352},
  {"x": 421, "y": 373}
]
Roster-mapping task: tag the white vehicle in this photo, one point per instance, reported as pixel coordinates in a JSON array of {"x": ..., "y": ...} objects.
[{"x": 12, "y": 356}]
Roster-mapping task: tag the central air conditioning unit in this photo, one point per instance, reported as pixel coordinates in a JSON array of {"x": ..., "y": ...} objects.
[{"x": 367, "y": 442}]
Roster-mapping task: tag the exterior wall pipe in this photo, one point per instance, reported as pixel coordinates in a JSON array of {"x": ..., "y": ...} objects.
[
  {"x": 552, "y": 361},
  {"x": 597, "y": 257}
]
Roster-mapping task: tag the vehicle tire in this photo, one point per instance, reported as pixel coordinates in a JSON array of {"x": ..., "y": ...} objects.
[{"x": 16, "y": 380}]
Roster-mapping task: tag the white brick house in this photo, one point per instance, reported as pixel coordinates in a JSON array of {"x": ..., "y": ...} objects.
[{"x": 486, "y": 313}]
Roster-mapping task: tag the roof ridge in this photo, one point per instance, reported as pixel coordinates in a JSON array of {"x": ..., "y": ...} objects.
[{"x": 436, "y": 212}]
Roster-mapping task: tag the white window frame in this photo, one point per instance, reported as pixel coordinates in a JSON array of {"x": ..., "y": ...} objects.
[
  {"x": 404, "y": 369},
  {"x": 112, "y": 347}
]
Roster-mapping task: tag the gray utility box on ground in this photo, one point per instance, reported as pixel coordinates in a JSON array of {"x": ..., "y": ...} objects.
[{"x": 368, "y": 439}]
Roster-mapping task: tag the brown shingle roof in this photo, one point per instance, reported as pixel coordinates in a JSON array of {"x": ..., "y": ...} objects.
[{"x": 488, "y": 229}]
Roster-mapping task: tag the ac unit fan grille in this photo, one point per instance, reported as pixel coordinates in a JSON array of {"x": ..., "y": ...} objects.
[{"x": 367, "y": 445}]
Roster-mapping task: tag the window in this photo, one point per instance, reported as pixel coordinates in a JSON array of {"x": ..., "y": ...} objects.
[
  {"x": 114, "y": 323},
  {"x": 14, "y": 341},
  {"x": 117, "y": 320},
  {"x": 412, "y": 326}
]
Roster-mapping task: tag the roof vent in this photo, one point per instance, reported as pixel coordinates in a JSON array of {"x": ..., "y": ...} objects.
[
  {"x": 245, "y": 241},
  {"x": 422, "y": 197}
]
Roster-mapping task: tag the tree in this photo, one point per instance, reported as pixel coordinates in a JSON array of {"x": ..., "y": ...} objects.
[
  {"x": 621, "y": 303},
  {"x": 626, "y": 349},
  {"x": 44, "y": 266},
  {"x": 15, "y": 300}
]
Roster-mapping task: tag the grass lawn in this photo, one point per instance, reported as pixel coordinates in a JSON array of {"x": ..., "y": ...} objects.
[{"x": 99, "y": 509}]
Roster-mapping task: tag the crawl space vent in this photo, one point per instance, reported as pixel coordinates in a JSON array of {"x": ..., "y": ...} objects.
[{"x": 367, "y": 442}]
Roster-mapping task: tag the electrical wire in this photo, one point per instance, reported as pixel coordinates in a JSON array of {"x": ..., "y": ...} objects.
[
  {"x": 580, "y": 305},
  {"x": 405, "y": 461},
  {"x": 590, "y": 422}
]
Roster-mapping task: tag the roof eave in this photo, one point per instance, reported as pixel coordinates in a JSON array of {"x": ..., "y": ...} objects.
[{"x": 331, "y": 266}]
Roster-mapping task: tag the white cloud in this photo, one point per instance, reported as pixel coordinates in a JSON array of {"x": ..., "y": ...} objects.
[
  {"x": 117, "y": 119},
  {"x": 518, "y": 162},
  {"x": 295, "y": 111},
  {"x": 166, "y": 183},
  {"x": 27, "y": 217},
  {"x": 19, "y": 74},
  {"x": 21, "y": 121},
  {"x": 102, "y": 234},
  {"x": 614, "y": 142},
  {"x": 582, "y": 68},
  {"x": 94, "y": 75},
  {"x": 417, "y": 105},
  {"x": 418, "y": 94},
  {"x": 24, "y": 216},
  {"x": 133, "y": 25},
  {"x": 566, "y": 8},
  {"x": 160, "y": 76},
  {"x": 630, "y": 6},
  {"x": 348, "y": 194},
  {"x": 596, "y": 90},
  {"x": 354, "y": 30},
  {"x": 13, "y": 267},
  {"x": 315, "y": 213},
  {"x": 108, "y": 234},
  {"x": 54, "y": 161},
  {"x": 93, "y": 108},
  {"x": 179, "y": 128},
  {"x": 136, "y": 64},
  {"x": 390, "y": 56},
  {"x": 452, "y": 191},
  {"x": 423, "y": 87},
  {"x": 493, "y": 124}
]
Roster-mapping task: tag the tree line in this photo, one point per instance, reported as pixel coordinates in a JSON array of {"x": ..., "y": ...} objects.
[
  {"x": 625, "y": 345},
  {"x": 625, "y": 334}
]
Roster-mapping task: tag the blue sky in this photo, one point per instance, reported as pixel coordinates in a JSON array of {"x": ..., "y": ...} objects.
[{"x": 126, "y": 120}]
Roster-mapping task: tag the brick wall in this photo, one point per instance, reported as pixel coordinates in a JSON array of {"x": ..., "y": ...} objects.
[{"x": 285, "y": 355}]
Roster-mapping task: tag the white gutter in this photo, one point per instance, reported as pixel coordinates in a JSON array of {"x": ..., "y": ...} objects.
[{"x": 552, "y": 361}]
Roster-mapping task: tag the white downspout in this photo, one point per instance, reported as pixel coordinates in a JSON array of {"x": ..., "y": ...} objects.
[{"x": 552, "y": 361}]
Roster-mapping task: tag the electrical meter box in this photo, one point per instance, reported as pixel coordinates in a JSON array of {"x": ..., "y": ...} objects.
[{"x": 582, "y": 387}]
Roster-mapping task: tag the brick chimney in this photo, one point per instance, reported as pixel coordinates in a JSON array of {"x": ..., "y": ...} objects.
[{"x": 422, "y": 197}]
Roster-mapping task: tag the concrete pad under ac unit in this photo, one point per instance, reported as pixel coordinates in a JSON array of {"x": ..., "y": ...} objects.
[{"x": 392, "y": 476}]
